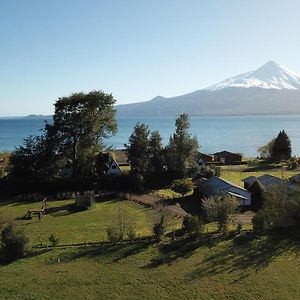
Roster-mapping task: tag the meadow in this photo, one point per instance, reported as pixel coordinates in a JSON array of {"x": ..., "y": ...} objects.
[{"x": 209, "y": 267}]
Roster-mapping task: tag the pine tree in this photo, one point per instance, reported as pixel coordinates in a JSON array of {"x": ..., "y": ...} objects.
[
  {"x": 138, "y": 152},
  {"x": 182, "y": 149},
  {"x": 281, "y": 148},
  {"x": 156, "y": 158}
]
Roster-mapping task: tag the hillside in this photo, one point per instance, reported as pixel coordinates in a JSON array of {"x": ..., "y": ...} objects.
[
  {"x": 237, "y": 267},
  {"x": 271, "y": 89}
]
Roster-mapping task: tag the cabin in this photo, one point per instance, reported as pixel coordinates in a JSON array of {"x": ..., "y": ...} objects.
[
  {"x": 215, "y": 186},
  {"x": 113, "y": 168},
  {"x": 203, "y": 159},
  {"x": 227, "y": 158}
]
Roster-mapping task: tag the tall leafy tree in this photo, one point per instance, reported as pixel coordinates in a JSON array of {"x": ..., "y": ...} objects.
[
  {"x": 156, "y": 154},
  {"x": 281, "y": 148},
  {"x": 137, "y": 150},
  {"x": 81, "y": 122},
  {"x": 182, "y": 149}
]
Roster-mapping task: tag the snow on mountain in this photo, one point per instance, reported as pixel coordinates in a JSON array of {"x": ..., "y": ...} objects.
[{"x": 269, "y": 76}]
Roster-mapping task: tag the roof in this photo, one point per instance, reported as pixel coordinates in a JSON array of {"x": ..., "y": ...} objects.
[
  {"x": 120, "y": 155},
  {"x": 222, "y": 153},
  {"x": 249, "y": 179},
  {"x": 216, "y": 186},
  {"x": 296, "y": 177},
  {"x": 267, "y": 179}
]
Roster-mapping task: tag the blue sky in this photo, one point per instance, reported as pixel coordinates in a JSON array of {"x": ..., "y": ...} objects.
[{"x": 136, "y": 49}]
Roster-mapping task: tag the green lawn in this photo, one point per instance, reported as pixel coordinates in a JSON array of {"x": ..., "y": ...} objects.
[
  {"x": 187, "y": 268},
  {"x": 78, "y": 227},
  {"x": 236, "y": 177}
]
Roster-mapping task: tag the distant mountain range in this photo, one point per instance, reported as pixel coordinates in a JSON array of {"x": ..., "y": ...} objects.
[{"x": 271, "y": 89}]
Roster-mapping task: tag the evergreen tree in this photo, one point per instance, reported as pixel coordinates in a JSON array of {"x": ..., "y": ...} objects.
[
  {"x": 281, "y": 148},
  {"x": 156, "y": 155},
  {"x": 182, "y": 149},
  {"x": 138, "y": 152}
]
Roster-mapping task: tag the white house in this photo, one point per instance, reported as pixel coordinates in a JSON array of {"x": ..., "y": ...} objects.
[{"x": 114, "y": 168}]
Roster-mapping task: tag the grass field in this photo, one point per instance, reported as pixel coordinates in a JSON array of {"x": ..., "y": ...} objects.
[
  {"x": 237, "y": 177},
  {"x": 188, "y": 268}
]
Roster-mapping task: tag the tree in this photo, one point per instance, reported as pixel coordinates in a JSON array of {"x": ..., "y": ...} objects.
[
  {"x": 13, "y": 242},
  {"x": 182, "y": 186},
  {"x": 156, "y": 154},
  {"x": 192, "y": 225},
  {"x": 36, "y": 159},
  {"x": 103, "y": 161},
  {"x": 137, "y": 151},
  {"x": 81, "y": 122},
  {"x": 182, "y": 149},
  {"x": 279, "y": 209},
  {"x": 159, "y": 229},
  {"x": 281, "y": 148},
  {"x": 219, "y": 209},
  {"x": 257, "y": 190},
  {"x": 265, "y": 151}
]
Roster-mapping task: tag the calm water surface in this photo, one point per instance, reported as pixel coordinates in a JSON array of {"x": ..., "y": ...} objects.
[{"x": 242, "y": 134}]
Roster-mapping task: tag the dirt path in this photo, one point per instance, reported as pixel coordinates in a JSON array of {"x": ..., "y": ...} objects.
[{"x": 155, "y": 203}]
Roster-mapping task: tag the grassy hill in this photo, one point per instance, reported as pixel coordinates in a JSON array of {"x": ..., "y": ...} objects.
[{"x": 211, "y": 267}]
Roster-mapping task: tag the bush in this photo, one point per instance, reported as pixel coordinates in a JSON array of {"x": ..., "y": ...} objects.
[
  {"x": 159, "y": 228},
  {"x": 53, "y": 240},
  {"x": 13, "y": 242},
  {"x": 192, "y": 225},
  {"x": 259, "y": 223},
  {"x": 182, "y": 186},
  {"x": 131, "y": 233},
  {"x": 112, "y": 234},
  {"x": 219, "y": 209},
  {"x": 121, "y": 228}
]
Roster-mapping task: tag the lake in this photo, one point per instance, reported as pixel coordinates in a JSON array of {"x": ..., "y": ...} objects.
[{"x": 243, "y": 134}]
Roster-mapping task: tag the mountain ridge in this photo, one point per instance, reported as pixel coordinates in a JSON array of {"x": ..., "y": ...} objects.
[{"x": 270, "y": 89}]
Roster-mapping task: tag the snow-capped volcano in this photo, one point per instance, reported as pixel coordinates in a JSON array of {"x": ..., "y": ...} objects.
[{"x": 269, "y": 76}]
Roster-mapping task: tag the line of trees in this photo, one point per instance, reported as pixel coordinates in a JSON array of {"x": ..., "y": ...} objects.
[
  {"x": 277, "y": 149},
  {"x": 151, "y": 161}
]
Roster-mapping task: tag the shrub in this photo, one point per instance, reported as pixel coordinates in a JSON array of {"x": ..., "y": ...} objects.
[
  {"x": 13, "y": 242},
  {"x": 53, "y": 240},
  {"x": 121, "y": 228},
  {"x": 259, "y": 223},
  {"x": 112, "y": 234},
  {"x": 159, "y": 228},
  {"x": 131, "y": 233},
  {"x": 192, "y": 225},
  {"x": 239, "y": 227},
  {"x": 219, "y": 209},
  {"x": 182, "y": 186}
]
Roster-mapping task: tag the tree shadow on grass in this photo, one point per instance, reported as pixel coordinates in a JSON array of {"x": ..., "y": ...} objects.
[
  {"x": 30, "y": 254},
  {"x": 64, "y": 210},
  {"x": 243, "y": 253},
  {"x": 182, "y": 248},
  {"x": 115, "y": 251},
  {"x": 247, "y": 253}
]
